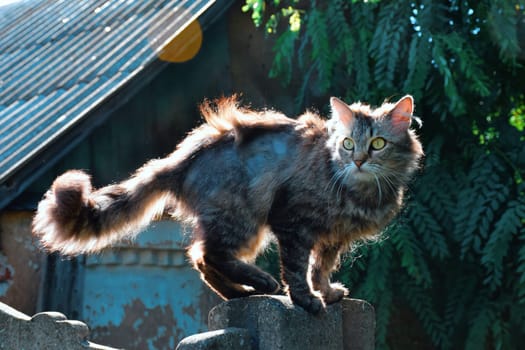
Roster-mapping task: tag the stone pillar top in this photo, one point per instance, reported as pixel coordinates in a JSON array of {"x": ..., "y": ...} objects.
[{"x": 43, "y": 331}]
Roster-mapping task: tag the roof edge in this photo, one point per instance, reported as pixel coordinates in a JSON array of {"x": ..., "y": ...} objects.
[{"x": 18, "y": 181}]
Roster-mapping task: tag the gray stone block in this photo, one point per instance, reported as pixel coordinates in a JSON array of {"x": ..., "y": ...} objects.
[
  {"x": 223, "y": 339},
  {"x": 274, "y": 323},
  {"x": 358, "y": 325},
  {"x": 43, "y": 331}
]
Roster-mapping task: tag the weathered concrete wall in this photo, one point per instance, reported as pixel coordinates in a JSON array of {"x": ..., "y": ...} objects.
[
  {"x": 43, "y": 331},
  {"x": 273, "y": 323},
  {"x": 223, "y": 339},
  {"x": 359, "y": 324},
  {"x": 20, "y": 262},
  {"x": 255, "y": 323}
]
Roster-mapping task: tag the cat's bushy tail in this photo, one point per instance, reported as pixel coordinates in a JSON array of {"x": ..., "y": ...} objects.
[{"x": 73, "y": 218}]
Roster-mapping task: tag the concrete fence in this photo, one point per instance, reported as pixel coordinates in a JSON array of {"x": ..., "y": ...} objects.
[
  {"x": 274, "y": 323},
  {"x": 43, "y": 331},
  {"x": 254, "y": 323}
]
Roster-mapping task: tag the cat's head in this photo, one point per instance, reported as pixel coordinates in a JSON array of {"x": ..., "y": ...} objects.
[{"x": 373, "y": 145}]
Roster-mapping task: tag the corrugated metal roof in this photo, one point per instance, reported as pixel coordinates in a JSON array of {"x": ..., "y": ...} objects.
[{"x": 61, "y": 59}]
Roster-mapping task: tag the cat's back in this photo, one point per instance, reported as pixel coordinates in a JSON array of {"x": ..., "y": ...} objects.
[
  {"x": 226, "y": 117},
  {"x": 244, "y": 153}
]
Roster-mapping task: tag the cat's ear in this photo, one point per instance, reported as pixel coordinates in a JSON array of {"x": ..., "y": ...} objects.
[
  {"x": 401, "y": 114},
  {"x": 342, "y": 112}
]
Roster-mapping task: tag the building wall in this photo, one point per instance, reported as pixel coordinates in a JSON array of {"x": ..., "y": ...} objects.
[
  {"x": 147, "y": 289},
  {"x": 21, "y": 262}
]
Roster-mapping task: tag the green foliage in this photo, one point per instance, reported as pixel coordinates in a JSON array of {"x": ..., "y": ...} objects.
[
  {"x": 455, "y": 257},
  {"x": 502, "y": 24},
  {"x": 517, "y": 114},
  {"x": 257, "y": 7}
]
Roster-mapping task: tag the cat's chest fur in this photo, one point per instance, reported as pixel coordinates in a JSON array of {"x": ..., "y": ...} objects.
[{"x": 352, "y": 220}]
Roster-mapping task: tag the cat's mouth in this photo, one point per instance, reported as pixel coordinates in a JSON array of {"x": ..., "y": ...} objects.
[{"x": 361, "y": 173}]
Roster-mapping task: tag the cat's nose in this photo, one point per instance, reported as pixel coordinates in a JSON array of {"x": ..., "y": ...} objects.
[{"x": 358, "y": 163}]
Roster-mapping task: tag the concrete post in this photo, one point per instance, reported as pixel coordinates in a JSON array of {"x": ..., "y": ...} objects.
[
  {"x": 227, "y": 339},
  {"x": 359, "y": 325},
  {"x": 274, "y": 322}
]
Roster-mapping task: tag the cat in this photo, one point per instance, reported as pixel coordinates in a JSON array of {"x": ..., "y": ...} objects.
[{"x": 316, "y": 185}]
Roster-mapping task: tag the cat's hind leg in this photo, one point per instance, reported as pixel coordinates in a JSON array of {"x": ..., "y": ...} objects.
[
  {"x": 241, "y": 273},
  {"x": 221, "y": 261},
  {"x": 215, "y": 280},
  {"x": 323, "y": 261}
]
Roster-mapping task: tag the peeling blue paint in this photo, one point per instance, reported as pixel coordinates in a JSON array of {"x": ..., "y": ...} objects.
[{"x": 148, "y": 284}]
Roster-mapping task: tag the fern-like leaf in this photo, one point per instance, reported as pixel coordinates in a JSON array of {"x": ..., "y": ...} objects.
[
  {"x": 456, "y": 301},
  {"x": 520, "y": 285},
  {"x": 385, "y": 44},
  {"x": 482, "y": 197},
  {"x": 377, "y": 287},
  {"x": 411, "y": 255},
  {"x": 362, "y": 20},
  {"x": 469, "y": 63},
  {"x": 502, "y": 25},
  {"x": 418, "y": 65},
  {"x": 417, "y": 298},
  {"x": 321, "y": 53},
  {"x": 482, "y": 317},
  {"x": 428, "y": 229},
  {"x": 442, "y": 63},
  {"x": 282, "y": 65},
  {"x": 501, "y": 334},
  {"x": 498, "y": 244}
]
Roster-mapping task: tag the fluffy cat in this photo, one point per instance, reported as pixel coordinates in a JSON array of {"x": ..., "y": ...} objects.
[{"x": 317, "y": 185}]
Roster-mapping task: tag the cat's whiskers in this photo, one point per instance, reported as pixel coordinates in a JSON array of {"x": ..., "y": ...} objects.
[
  {"x": 390, "y": 171},
  {"x": 390, "y": 184},
  {"x": 346, "y": 175},
  {"x": 402, "y": 180},
  {"x": 375, "y": 171},
  {"x": 380, "y": 193},
  {"x": 386, "y": 177},
  {"x": 396, "y": 180},
  {"x": 335, "y": 179}
]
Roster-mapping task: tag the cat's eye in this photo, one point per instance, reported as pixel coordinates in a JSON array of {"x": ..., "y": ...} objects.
[
  {"x": 378, "y": 143},
  {"x": 348, "y": 144}
]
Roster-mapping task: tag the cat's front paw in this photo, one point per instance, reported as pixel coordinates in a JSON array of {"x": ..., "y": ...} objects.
[
  {"x": 334, "y": 294},
  {"x": 310, "y": 303}
]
